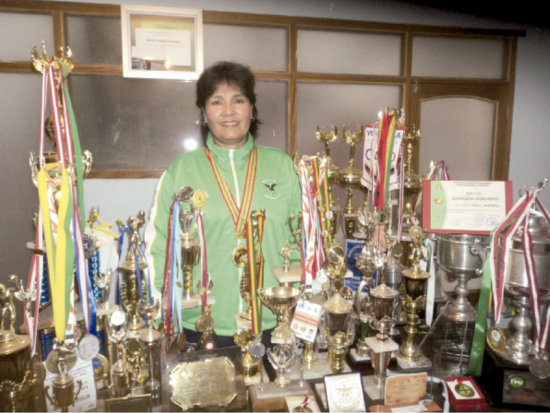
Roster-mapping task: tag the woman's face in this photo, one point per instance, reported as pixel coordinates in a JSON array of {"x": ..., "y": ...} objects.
[{"x": 228, "y": 114}]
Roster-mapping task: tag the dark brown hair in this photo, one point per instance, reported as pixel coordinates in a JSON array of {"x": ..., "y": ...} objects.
[{"x": 232, "y": 74}]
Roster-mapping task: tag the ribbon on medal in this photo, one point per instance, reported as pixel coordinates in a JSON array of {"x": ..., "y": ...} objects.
[{"x": 255, "y": 261}]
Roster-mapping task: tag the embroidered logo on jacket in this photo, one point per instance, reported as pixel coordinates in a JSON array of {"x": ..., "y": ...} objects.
[{"x": 271, "y": 189}]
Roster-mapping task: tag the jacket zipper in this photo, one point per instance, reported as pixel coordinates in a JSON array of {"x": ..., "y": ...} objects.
[{"x": 237, "y": 194}]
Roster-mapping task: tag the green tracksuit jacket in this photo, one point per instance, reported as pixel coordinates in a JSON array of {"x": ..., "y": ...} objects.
[{"x": 277, "y": 190}]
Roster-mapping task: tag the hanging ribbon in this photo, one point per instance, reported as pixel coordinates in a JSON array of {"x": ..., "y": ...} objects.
[
  {"x": 239, "y": 214},
  {"x": 386, "y": 139},
  {"x": 312, "y": 174},
  {"x": 170, "y": 268},
  {"x": 204, "y": 262},
  {"x": 255, "y": 266}
]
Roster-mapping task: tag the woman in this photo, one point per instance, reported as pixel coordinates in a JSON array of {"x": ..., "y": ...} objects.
[{"x": 227, "y": 102}]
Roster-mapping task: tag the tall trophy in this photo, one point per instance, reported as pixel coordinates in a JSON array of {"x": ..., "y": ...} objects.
[
  {"x": 150, "y": 341},
  {"x": 16, "y": 376},
  {"x": 414, "y": 279},
  {"x": 350, "y": 180},
  {"x": 190, "y": 247},
  {"x": 384, "y": 305},
  {"x": 120, "y": 369},
  {"x": 133, "y": 283},
  {"x": 339, "y": 325}
]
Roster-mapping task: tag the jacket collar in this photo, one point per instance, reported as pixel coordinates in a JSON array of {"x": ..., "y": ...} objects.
[{"x": 222, "y": 154}]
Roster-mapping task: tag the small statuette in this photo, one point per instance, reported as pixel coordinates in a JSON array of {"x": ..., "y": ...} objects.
[{"x": 88, "y": 348}]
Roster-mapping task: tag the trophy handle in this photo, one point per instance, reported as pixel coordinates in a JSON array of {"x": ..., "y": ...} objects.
[
  {"x": 481, "y": 251},
  {"x": 77, "y": 392}
]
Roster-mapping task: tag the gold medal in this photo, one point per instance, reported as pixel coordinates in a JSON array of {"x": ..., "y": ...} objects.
[{"x": 199, "y": 199}]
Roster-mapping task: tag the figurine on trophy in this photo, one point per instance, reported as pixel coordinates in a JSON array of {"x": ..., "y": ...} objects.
[{"x": 328, "y": 137}]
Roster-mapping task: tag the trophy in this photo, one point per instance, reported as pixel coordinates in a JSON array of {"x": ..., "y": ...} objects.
[
  {"x": 120, "y": 370},
  {"x": 384, "y": 306},
  {"x": 327, "y": 137},
  {"x": 150, "y": 342},
  {"x": 287, "y": 273},
  {"x": 519, "y": 348},
  {"x": 16, "y": 376},
  {"x": 190, "y": 247},
  {"x": 339, "y": 326},
  {"x": 449, "y": 340},
  {"x": 350, "y": 180},
  {"x": 62, "y": 359},
  {"x": 282, "y": 357},
  {"x": 414, "y": 279},
  {"x": 240, "y": 260},
  {"x": 251, "y": 363},
  {"x": 133, "y": 284},
  {"x": 281, "y": 300}
]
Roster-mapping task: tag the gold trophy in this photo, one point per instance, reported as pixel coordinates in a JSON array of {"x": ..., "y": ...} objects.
[
  {"x": 281, "y": 300},
  {"x": 414, "y": 279},
  {"x": 150, "y": 342},
  {"x": 287, "y": 273},
  {"x": 190, "y": 247},
  {"x": 62, "y": 359},
  {"x": 251, "y": 364},
  {"x": 350, "y": 180},
  {"x": 120, "y": 370},
  {"x": 327, "y": 137},
  {"x": 135, "y": 262},
  {"x": 384, "y": 305},
  {"x": 16, "y": 375},
  {"x": 339, "y": 326}
]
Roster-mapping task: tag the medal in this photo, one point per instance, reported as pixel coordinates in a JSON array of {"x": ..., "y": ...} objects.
[
  {"x": 88, "y": 348},
  {"x": 199, "y": 199},
  {"x": 256, "y": 349},
  {"x": 540, "y": 368},
  {"x": 52, "y": 361},
  {"x": 204, "y": 323}
]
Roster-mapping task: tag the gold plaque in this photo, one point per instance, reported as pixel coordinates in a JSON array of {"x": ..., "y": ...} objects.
[{"x": 209, "y": 382}]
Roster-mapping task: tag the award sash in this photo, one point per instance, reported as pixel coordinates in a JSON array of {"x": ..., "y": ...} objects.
[{"x": 239, "y": 214}]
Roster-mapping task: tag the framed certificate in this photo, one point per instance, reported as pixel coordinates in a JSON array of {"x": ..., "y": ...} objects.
[
  {"x": 160, "y": 42},
  {"x": 470, "y": 207},
  {"x": 345, "y": 392}
]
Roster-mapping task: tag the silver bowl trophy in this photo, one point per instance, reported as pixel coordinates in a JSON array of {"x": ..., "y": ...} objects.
[{"x": 448, "y": 342}]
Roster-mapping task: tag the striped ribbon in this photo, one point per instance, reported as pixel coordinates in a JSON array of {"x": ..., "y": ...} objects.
[
  {"x": 312, "y": 174},
  {"x": 204, "y": 262},
  {"x": 255, "y": 266},
  {"x": 386, "y": 140},
  {"x": 168, "y": 284},
  {"x": 34, "y": 283},
  {"x": 239, "y": 214}
]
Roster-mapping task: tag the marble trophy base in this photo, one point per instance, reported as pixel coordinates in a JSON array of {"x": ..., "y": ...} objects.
[
  {"x": 271, "y": 397},
  {"x": 421, "y": 362},
  {"x": 319, "y": 370},
  {"x": 292, "y": 275},
  {"x": 377, "y": 346},
  {"x": 195, "y": 301},
  {"x": 243, "y": 324}
]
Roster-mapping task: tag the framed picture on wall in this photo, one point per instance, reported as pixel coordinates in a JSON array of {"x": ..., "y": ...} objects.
[{"x": 161, "y": 43}]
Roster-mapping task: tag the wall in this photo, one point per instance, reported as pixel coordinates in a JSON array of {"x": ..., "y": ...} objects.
[{"x": 528, "y": 161}]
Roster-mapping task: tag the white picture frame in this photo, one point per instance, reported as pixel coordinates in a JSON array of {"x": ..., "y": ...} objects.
[{"x": 161, "y": 42}]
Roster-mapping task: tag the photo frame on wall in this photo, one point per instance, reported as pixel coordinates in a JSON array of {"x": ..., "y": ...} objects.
[{"x": 161, "y": 42}]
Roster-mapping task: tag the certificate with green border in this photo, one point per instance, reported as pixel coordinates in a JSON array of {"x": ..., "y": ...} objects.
[{"x": 471, "y": 207}]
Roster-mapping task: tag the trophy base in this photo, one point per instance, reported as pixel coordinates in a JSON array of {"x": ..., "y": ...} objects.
[
  {"x": 319, "y": 370},
  {"x": 272, "y": 398},
  {"x": 292, "y": 275},
  {"x": 256, "y": 378},
  {"x": 372, "y": 388},
  {"x": 509, "y": 385},
  {"x": 420, "y": 362}
]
